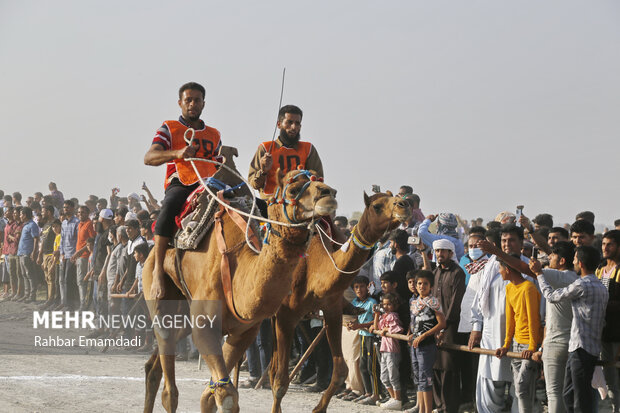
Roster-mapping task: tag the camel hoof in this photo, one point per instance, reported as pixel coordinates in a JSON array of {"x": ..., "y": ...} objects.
[{"x": 227, "y": 405}]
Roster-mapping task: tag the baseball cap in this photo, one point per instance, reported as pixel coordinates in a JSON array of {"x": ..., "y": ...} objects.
[{"x": 106, "y": 214}]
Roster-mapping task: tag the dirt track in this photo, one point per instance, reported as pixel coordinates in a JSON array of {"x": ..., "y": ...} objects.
[{"x": 97, "y": 382}]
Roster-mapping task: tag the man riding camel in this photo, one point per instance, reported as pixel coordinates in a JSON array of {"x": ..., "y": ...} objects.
[
  {"x": 169, "y": 147},
  {"x": 287, "y": 151}
]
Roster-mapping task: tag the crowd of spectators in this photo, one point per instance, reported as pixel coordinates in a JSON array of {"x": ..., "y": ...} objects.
[
  {"x": 544, "y": 295},
  {"x": 65, "y": 255}
]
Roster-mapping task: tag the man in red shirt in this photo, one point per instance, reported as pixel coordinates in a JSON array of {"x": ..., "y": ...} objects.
[{"x": 80, "y": 258}]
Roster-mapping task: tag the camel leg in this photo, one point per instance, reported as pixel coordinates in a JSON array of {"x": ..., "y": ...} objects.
[
  {"x": 278, "y": 374},
  {"x": 153, "y": 373},
  {"x": 233, "y": 350},
  {"x": 333, "y": 320}
]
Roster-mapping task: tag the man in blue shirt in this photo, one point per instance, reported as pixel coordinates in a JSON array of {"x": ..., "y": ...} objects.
[
  {"x": 27, "y": 250},
  {"x": 68, "y": 240},
  {"x": 446, "y": 229}
]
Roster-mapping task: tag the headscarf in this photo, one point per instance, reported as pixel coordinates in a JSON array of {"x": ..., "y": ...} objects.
[
  {"x": 505, "y": 217},
  {"x": 446, "y": 224},
  {"x": 445, "y": 244}
]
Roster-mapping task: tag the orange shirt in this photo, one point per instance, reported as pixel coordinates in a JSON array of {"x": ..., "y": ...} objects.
[
  {"x": 287, "y": 159},
  {"x": 207, "y": 141},
  {"x": 85, "y": 231}
]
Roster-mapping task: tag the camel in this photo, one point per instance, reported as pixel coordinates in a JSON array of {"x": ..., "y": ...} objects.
[
  {"x": 259, "y": 284},
  {"x": 318, "y": 284}
]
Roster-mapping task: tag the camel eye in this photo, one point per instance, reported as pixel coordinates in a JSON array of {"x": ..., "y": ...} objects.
[
  {"x": 294, "y": 190},
  {"x": 377, "y": 208}
]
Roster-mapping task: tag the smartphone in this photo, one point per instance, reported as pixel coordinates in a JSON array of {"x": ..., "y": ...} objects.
[
  {"x": 535, "y": 253},
  {"x": 518, "y": 215},
  {"x": 413, "y": 240},
  {"x": 376, "y": 189}
]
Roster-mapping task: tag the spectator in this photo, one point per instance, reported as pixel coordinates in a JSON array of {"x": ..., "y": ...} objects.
[
  {"x": 582, "y": 233},
  {"x": 146, "y": 230},
  {"x": 586, "y": 216},
  {"x": 12, "y": 232},
  {"x": 342, "y": 223},
  {"x": 543, "y": 220},
  {"x": 446, "y": 229},
  {"x": 557, "y": 234},
  {"x": 27, "y": 251},
  {"x": 389, "y": 285},
  {"x": 59, "y": 199},
  {"x": 427, "y": 320},
  {"x": 368, "y": 359},
  {"x": 38, "y": 197},
  {"x": 80, "y": 257},
  {"x": 473, "y": 264},
  {"x": 404, "y": 263},
  {"x": 17, "y": 199},
  {"x": 557, "y": 326},
  {"x": 387, "y": 321},
  {"x": 475, "y": 259},
  {"x": 68, "y": 242},
  {"x": 489, "y": 324},
  {"x": 417, "y": 216},
  {"x": 117, "y": 267},
  {"x": 45, "y": 257},
  {"x": 448, "y": 288},
  {"x": 523, "y": 333},
  {"x": 617, "y": 224},
  {"x": 588, "y": 298},
  {"x": 102, "y": 248},
  {"x": 119, "y": 216},
  {"x": 609, "y": 274},
  {"x": 382, "y": 262},
  {"x": 405, "y": 190}
]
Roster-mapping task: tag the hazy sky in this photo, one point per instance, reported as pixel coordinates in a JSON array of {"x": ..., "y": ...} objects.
[{"x": 479, "y": 105}]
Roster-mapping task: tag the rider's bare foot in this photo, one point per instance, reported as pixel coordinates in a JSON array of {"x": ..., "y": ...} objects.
[{"x": 157, "y": 286}]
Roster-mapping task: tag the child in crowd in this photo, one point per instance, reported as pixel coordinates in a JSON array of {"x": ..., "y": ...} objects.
[
  {"x": 389, "y": 284},
  {"x": 427, "y": 320},
  {"x": 368, "y": 358},
  {"x": 524, "y": 326},
  {"x": 387, "y": 321}
]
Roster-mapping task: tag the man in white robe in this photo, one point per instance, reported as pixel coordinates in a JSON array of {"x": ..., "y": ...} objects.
[{"x": 489, "y": 325}]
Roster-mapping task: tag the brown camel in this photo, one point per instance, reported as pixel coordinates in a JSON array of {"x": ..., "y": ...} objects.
[
  {"x": 318, "y": 284},
  {"x": 259, "y": 284}
]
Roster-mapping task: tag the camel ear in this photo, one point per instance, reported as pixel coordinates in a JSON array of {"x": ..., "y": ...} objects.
[
  {"x": 279, "y": 177},
  {"x": 389, "y": 193},
  {"x": 366, "y": 199}
]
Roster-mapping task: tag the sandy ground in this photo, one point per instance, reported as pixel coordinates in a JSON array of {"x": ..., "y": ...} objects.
[{"x": 98, "y": 382}]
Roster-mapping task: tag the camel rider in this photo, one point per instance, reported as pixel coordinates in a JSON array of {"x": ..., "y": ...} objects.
[
  {"x": 169, "y": 147},
  {"x": 287, "y": 151}
]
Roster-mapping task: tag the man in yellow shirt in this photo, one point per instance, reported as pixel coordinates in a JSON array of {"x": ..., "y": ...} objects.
[{"x": 524, "y": 332}]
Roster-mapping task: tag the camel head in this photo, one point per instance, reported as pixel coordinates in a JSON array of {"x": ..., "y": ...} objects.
[
  {"x": 302, "y": 196},
  {"x": 383, "y": 213}
]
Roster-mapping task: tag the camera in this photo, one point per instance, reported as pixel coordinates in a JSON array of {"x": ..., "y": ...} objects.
[{"x": 413, "y": 240}]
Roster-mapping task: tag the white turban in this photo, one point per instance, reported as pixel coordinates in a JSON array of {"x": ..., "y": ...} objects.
[{"x": 445, "y": 244}]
